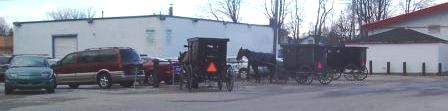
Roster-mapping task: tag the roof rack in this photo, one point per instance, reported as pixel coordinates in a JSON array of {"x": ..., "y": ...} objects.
[{"x": 101, "y": 48}]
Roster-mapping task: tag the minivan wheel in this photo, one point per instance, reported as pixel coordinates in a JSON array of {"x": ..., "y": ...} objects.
[
  {"x": 73, "y": 86},
  {"x": 8, "y": 90},
  {"x": 50, "y": 90},
  {"x": 104, "y": 81}
]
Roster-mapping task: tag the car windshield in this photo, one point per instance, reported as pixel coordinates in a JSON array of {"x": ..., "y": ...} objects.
[
  {"x": 29, "y": 61},
  {"x": 129, "y": 56}
]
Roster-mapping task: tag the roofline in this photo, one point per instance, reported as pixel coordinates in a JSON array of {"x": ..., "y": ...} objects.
[
  {"x": 407, "y": 16},
  {"x": 139, "y": 16},
  {"x": 409, "y": 42}
]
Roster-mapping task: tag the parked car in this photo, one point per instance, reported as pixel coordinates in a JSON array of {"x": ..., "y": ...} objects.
[
  {"x": 239, "y": 66},
  {"x": 102, "y": 66},
  {"x": 29, "y": 72},
  {"x": 166, "y": 69},
  {"x": 3, "y": 61}
]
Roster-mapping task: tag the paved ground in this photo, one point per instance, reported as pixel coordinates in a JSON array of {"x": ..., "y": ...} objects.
[{"x": 377, "y": 93}]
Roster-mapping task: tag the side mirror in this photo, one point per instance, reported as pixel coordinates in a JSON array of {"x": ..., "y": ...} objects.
[
  {"x": 143, "y": 55},
  {"x": 6, "y": 66},
  {"x": 185, "y": 45}
]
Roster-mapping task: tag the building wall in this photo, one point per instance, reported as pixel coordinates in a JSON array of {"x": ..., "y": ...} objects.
[
  {"x": 413, "y": 54},
  {"x": 421, "y": 24},
  {"x": 149, "y": 35}
]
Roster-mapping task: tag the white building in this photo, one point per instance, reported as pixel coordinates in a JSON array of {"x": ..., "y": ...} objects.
[
  {"x": 155, "y": 35},
  {"x": 415, "y": 38}
]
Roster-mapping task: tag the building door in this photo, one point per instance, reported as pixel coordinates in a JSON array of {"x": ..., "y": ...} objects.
[{"x": 63, "y": 45}]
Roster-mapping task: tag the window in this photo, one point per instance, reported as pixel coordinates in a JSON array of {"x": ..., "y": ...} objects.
[
  {"x": 434, "y": 29},
  {"x": 69, "y": 59},
  {"x": 105, "y": 56},
  {"x": 29, "y": 61},
  {"x": 87, "y": 57},
  {"x": 129, "y": 56}
]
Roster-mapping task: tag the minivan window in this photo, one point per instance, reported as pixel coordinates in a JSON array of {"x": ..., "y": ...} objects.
[
  {"x": 106, "y": 56},
  {"x": 129, "y": 56},
  {"x": 87, "y": 57},
  {"x": 28, "y": 61},
  {"x": 69, "y": 59}
]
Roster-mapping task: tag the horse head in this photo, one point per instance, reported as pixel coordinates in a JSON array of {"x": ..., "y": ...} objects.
[{"x": 242, "y": 52}]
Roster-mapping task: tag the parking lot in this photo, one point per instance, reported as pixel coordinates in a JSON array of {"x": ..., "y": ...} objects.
[{"x": 378, "y": 92}]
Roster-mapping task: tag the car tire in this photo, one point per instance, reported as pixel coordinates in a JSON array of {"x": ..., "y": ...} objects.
[
  {"x": 73, "y": 86},
  {"x": 104, "y": 81},
  {"x": 243, "y": 73},
  {"x": 50, "y": 90},
  {"x": 127, "y": 84},
  {"x": 168, "y": 81},
  {"x": 8, "y": 90}
]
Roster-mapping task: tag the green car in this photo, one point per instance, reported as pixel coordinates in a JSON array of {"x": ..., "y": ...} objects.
[{"x": 29, "y": 72}]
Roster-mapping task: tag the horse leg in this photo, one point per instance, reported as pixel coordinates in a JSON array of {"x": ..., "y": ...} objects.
[
  {"x": 271, "y": 73},
  {"x": 257, "y": 75}
]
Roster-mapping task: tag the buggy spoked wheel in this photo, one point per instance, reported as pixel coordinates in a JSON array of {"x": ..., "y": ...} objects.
[
  {"x": 230, "y": 79},
  {"x": 360, "y": 74},
  {"x": 336, "y": 74},
  {"x": 220, "y": 84},
  {"x": 349, "y": 72},
  {"x": 190, "y": 79},
  {"x": 325, "y": 78}
]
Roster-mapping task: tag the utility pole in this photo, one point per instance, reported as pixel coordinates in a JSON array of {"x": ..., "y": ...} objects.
[{"x": 275, "y": 28}]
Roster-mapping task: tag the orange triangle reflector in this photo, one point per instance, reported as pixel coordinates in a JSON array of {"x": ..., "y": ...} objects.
[{"x": 212, "y": 68}]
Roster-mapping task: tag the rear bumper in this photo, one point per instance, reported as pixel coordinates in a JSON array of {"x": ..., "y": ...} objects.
[{"x": 34, "y": 84}]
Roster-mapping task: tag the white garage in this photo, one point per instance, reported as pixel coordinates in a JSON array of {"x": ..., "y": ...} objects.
[
  {"x": 155, "y": 35},
  {"x": 401, "y": 45}
]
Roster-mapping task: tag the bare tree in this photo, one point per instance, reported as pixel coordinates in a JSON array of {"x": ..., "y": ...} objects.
[
  {"x": 226, "y": 8},
  {"x": 368, "y": 11},
  {"x": 322, "y": 14},
  {"x": 4, "y": 27},
  {"x": 413, "y": 5},
  {"x": 269, "y": 8},
  {"x": 296, "y": 20},
  {"x": 68, "y": 13}
]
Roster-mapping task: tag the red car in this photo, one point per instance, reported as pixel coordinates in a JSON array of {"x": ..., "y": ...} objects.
[{"x": 165, "y": 70}]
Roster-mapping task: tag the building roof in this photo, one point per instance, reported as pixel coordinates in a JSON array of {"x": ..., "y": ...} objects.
[
  {"x": 398, "y": 36},
  {"x": 162, "y": 17},
  {"x": 408, "y": 16}
]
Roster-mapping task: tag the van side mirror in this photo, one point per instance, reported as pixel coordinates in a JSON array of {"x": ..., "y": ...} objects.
[{"x": 5, "y": 66}]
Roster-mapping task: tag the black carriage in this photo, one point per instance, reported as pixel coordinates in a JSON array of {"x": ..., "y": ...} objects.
[
  {"x": 206, "y": 62},
  {"x": 306, "y": 62},
  {"x": 350, "y": 61}
]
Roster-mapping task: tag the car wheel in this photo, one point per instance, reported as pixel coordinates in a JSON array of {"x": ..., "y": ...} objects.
[
  {"x": 104, "y": 81},
  {"x": 73, "y": 86},
  {"x": 243, "y": 73},
  {"x": 50, "y": 90},
  {"x": 168, "y": 81},
  {"x": 127, "y": 84},
  {"x": 8, "y": 90}
]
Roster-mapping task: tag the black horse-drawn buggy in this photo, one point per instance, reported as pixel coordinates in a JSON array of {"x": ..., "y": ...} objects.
[
  {"x": 307, "y": 62},
  {"x": 347, "y": 61},
  {"x": 205, "y": 61}
]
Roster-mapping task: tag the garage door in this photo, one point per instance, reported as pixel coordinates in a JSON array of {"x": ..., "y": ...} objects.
[{"x": 64, "y": 46}]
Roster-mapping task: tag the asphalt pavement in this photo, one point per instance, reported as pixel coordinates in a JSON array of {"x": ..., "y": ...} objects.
[{"x": 376, "y": 93}]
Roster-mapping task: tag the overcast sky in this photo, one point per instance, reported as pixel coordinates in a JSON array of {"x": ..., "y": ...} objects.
[{"x": 251, "y": 12}]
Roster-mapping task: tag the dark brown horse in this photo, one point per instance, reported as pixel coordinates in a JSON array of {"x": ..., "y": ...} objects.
[{"x": 258, "y": 59}]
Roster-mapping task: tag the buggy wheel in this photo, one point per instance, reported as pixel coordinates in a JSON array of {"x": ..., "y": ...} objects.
[
  {"x": 230, "y": 80},
  {"x": 336, "y": 74},
  {"x": 220, "y": 84},
  {"x": 360, "y": 74},
  {"x": 190, "y": 79},
  {"x": 325, "y": 78},
  {"x": 349, "y": 72},
  {"x": 181, "y": 79},
  {"x": 304, "y": 77}
]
